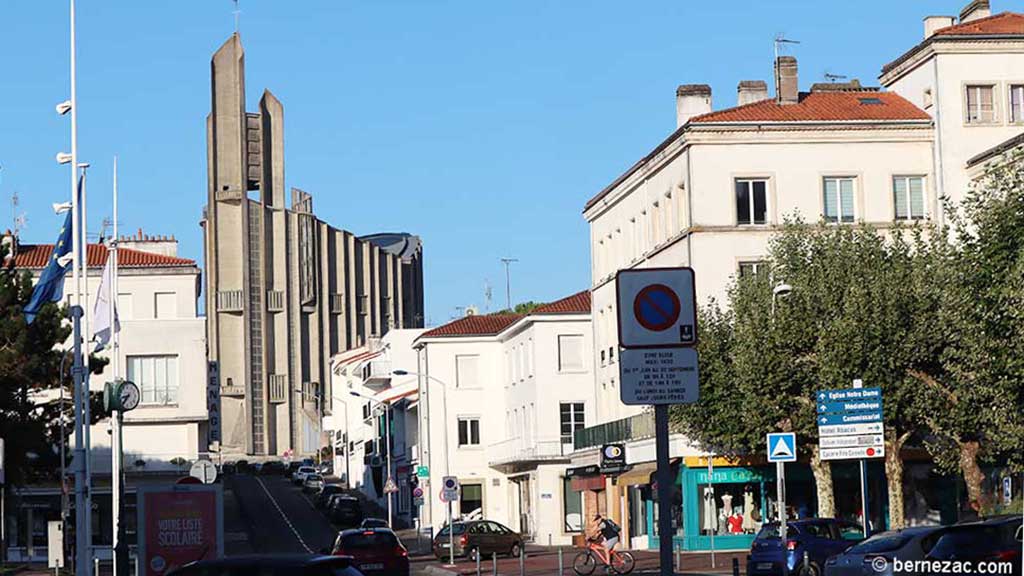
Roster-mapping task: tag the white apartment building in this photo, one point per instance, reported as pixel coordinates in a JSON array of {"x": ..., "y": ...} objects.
[
  {"x": 365, "y": 393},
  {"x": 712, "y": 193},
  {"x": 502, "y": 397}
]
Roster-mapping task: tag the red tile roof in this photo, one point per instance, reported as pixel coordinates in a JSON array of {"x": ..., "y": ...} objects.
[
  {"x": 36, "y": 255},
  {"x": 823, "y": 107},
  {"x": 578, "y": 303},
  {"x": 488, "y": 325},
  {"x": 998, "y": 25}
]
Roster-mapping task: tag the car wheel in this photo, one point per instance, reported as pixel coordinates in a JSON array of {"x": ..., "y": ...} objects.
[
  {"x": 810, "y": 569},
  {"x": 517, "y": 548}
]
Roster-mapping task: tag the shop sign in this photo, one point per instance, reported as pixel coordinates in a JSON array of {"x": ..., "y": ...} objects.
[
  {"x": 591, "y": 470},
  {"x": 613, "y": 458},
  {"x": 179, "y": 524},
  {"x": 729, "y": 475},
  {"x": 213, "y": 401}
]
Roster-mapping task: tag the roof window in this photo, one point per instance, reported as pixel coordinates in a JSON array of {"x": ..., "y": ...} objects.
[{"x": 870, "y": 101}]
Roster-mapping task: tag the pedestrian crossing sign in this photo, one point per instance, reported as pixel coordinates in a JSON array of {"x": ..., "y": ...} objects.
[{"x": 782, "y": 447}]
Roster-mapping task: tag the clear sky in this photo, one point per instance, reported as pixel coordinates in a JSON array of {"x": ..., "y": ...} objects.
[{"x": 483, "y": 127}]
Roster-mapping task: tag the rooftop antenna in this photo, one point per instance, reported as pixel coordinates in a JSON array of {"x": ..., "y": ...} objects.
[
  {"x": 107, "y": 223},
  {"x": 833, "y": 78},
  {"x": 780, "y": 45},
  {"x": 508, "y": 280},
  {"x": 487, "y": 295},
  {"x": 237, "y": 12}
]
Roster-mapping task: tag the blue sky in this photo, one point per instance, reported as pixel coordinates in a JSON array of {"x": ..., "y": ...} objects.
[{"x": 481, "y": 126}]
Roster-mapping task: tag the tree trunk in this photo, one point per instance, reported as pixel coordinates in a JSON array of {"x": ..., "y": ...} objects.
[
  {"x": 823, "y": 480},
  {"x": 894, "y": 479},
  {"x": 973, "y": 476}
]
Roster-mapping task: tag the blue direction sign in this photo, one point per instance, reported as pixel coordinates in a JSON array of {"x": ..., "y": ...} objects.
[
  {"x": 850, "y": 394},
  {"x": 782, "y": 447},
  {"x": 849, "y": 418},
  {"x": 849, "y": 406}
]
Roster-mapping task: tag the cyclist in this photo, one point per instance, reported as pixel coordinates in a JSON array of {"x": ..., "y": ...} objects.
[{"x": 605, "y": 531}]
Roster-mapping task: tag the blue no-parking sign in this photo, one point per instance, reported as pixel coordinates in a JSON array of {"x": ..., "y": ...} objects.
[{"x": 782, "y": 447}]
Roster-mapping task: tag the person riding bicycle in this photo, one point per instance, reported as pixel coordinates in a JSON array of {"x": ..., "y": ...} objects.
[{"x": 604, "y": 531}]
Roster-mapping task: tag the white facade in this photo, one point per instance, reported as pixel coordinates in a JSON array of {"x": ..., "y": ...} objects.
[{"x": 499, "y": 411}]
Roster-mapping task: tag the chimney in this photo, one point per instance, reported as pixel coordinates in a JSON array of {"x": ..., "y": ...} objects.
[
  {"x": 692, "y": 100},
  {"x": 750, "y": 91},
  {"x": 933, "y": 23},
  {"x": 975, "y": 10},
  {"x": 787, "y": 91}
]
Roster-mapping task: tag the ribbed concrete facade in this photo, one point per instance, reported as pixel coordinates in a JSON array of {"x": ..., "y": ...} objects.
[{"x": 284, "y": 290}]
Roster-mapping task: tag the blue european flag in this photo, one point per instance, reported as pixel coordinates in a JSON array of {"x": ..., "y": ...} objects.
[{"x": 50, "y": 287}]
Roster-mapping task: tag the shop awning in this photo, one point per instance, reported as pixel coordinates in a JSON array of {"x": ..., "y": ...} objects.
[{"x": 640, "y": 474}]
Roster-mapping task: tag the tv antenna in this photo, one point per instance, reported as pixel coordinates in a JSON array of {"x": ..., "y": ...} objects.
[
  {"x": 780, "y": 45},
  {"x": 508, "y": 280},
  {"x": 488, "y": 293},
  {"x": 833, "y": 78},
  {"x": 237, "y": 12}
]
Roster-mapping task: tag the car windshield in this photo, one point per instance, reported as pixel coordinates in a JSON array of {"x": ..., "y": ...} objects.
[
  {"x": 366, "y": 540},
  {"x": 457, "y": 529},
  {"x": 314, "y": 478},
  {"x": 885, "y": 542},
  {"x": 973, "y": 538},
  {"x": 771, "y": 531}
]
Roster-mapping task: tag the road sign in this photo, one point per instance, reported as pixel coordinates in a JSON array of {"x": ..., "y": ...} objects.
[
  {"x": 423, "y": 471},
  {"x": 55, "y": 544},
  {"x": 850, "y": 406},
  {"x": 850, "y": 429},
  {"x": 849, "y": 418},
  {"x": 1007, "y": 491},
  {"x": 862, "y": 441},
  {"x": 782, "y": 447},
  {"x": 417, "y": 501},
  {"x": 390, "y": 487},
  {"x": 658, "y": 376},
  {"x": 417, "y": 492},
  {"x": 204, "y": 471},
  {"x": 449, "y": 489},
  {"x": 657, "y": 308},
  {"x": 852, "y": 453},
  {"x": 850, "y": 394}
]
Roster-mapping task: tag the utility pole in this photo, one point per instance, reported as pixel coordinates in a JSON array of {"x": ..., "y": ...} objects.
[{"x": 508, "y": 281}]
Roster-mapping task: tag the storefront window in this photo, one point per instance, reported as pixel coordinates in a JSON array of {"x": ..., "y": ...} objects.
[
  {"x": 730, "y": 508},
  {"x": 638, "y": 510},
  {"x": 573, "y": 507},
  {"x": 677, "y": 506}
]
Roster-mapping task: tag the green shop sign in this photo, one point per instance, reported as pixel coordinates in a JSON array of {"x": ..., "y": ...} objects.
[{"x": 729, "y": 475}]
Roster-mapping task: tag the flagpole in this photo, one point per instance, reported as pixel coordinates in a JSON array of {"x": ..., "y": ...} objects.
[
  {"x": 87, "y": 335},
  {"x": 116, "y": 454}
]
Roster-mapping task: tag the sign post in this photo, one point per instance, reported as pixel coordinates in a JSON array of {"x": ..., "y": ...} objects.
[
  {"x": 711, "y": 487},
  {"x": 657, "y": 325},
  {"x": 55, "y": 545},
  {"x": 450, "y": 493},
  {"x": 781, "y": 449}
]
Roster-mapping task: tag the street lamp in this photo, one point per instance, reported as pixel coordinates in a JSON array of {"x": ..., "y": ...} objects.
[
  {"x": 782, "y": 289},
  {"x": 387, "y": 434}
]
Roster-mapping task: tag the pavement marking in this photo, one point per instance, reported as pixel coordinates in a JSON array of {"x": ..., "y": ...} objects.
[{"x": 283, "y": 515}]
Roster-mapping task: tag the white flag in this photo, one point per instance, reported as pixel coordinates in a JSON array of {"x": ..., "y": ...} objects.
[{"x": 101, "y": 333}]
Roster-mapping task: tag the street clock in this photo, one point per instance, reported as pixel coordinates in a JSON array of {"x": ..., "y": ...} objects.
[{"x": 120, "y": 396}]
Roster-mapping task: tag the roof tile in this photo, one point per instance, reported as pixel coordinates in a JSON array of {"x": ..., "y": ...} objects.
[
  {"x": 488, "y": 325},
  {"x": 36, "y": 256},
  {"x": 578, "y": 303},
  {"x": 823, "y": 107},
  {"x": 999, "y": 24}
]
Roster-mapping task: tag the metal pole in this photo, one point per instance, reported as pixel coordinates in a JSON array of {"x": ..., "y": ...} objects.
[
  {"x": 522, "y": 561},
  {"x": 82, "y": 567},
  {"x": 864, "y": 496},
  {"x": 711, "y": 486},
  {"x": 494, "y": 564},
  {"x": 116, "y": 455},
  {"x": 561, "y": 563},
  {"x": 451, "y": 537},
  {"x": 780, "y": 494},
  {"x": 478, "y": 562},
  {"x": 665, "y": 486},
  {"x": 86, "y": 375},
  {"x": 387, "y": 442}
]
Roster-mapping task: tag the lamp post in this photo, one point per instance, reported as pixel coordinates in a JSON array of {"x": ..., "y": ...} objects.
[
  {"x": 781, "y": 289},
  {"x": 387, "y": 440}
]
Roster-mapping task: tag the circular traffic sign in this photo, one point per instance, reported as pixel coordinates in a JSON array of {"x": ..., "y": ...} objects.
[
  {"x": 417, "y": 492},
  {"x": 451, "y": 483},
  {"x": 656, "y": 307},
  {"x": 204, "y": 471}
]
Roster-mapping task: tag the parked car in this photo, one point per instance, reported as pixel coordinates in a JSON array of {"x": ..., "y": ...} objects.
[
  {"x": 313, "y": 482},
  {"x": 300, "y": 475},
  {"x": 325, "y": 493},
  {"x": 242, "y": 466},
  {"x": 271, "y": 565},
  {"x": 344, "y": 510},
  {"x": 994, "y": 539},
  {"x": 257, "y": 467},
  {"x": 375, "y": 551},
  {"x": 906, "y": 544},
  {"x": 477, "y": 537},
  {"x": 272, "y": 467},
  {"x": 374, "y": 523},
  {"x": 813, "y": 538},
  {"x": 227, "y": 468},
  {"x": 291, "y": 469}
]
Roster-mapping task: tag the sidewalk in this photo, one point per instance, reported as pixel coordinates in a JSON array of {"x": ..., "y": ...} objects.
[{"x": 544, "y": 560}]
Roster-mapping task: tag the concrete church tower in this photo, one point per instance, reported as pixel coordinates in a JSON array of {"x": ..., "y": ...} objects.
[{"x": 284, "y": 290}]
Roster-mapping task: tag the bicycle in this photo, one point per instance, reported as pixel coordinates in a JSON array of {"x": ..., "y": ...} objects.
[{"x": 618, "y": 562}]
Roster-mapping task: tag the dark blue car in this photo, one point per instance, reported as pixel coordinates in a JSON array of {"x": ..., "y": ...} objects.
[{"x": 808, "y": 544}]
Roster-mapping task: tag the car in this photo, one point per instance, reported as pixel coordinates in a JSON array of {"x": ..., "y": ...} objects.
[
  {"x": 325, "y": 493},
  {"x": 344, "y": 510},
  {"x": 300, "y": 475},
  {"x": 242, "y": 466},
  {"x": 810, "y": 541},
  {"x": 477, "y": 537},
  {"x": 257, "y": 467},
  {"x": 374, "y": 523},
  {"x": 993, "y": 539},
  {"x": 313, "y": 482},
  {"x": 272, "y": 467},
  {"x": 291, "y": 469},
  {"x": 907, "y": 544},
  {"x": 374, "y": 551},
  {"x": 271, "y": 565},
  {"x": 227, "y": 468}
]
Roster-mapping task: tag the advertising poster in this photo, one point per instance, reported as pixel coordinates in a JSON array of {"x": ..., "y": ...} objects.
[{"x": 179, "y": 524}]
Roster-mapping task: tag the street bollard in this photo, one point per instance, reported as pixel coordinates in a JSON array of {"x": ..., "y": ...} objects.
[
  {"x": 494, "y": 564},
  {"x": 96, "y": 566},
  {"x": 735, "y": 566},
  {"x": 136, "y": 564},
  {"x": 679, "y": 559},
  {"x": 561, "y": 566},
  {"x": 478, "y": 563},
  {"x": 807, "y": 561},
  {"x": 522, "y": 560}
]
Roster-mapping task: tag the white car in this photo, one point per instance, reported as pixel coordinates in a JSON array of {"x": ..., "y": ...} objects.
[
  {"x": 300, "y": 475},
  {"x": 313, "y": 482}
]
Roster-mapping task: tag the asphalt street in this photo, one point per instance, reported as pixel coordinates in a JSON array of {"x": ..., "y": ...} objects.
[{"x": 278, "y": 517}]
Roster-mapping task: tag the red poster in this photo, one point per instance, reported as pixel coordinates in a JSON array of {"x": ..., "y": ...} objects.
[{"x": 179, "y": 526}]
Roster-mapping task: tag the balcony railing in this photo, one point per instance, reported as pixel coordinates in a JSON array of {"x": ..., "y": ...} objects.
[
  {"x": 278, "y": 388},
  {"x": 229, "y": 301},
  {"x": 275, "y": 300},
  {"x": 516, "y": 450},
  {"x": 632, "y": 428}
]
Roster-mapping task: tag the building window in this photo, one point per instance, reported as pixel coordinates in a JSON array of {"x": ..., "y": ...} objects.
[
  {"x": 1017, "y": 103},
  {"x": 165, "y": 305},
  {"x": 469, "y": 432},
  {"x": 572, "y": 419},
  {"x": 751, "y": 201},
  {"x": 156, "y": 377},
  {"x": 839, "y": 200},
  {"x": 908, "y": 197},
  {"x": 471, "y": 499},
  {"x": 981, "y": 106},
  {"x": 602, "y": 357},
  {"x": 466, "y": 375},
  {"x": 570, "y": 352},
  {"x": 573, "y": 507},
  {"x": 753, "y": 268}
]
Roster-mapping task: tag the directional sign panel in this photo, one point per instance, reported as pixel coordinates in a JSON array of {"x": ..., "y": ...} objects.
[
  {"x": 657, "y": 308},
  {"x": 658, "y": 376},
  {"x": 850, "y": 429},
  {"x": 863, "y": 440},
  {"x": 782, "y": 447},
  {"x": 850, "y": 394},
  {"x": 850, "y": 406},
  {"x": 849, "y": 418},
  {"x": 852, "y": 453}
]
